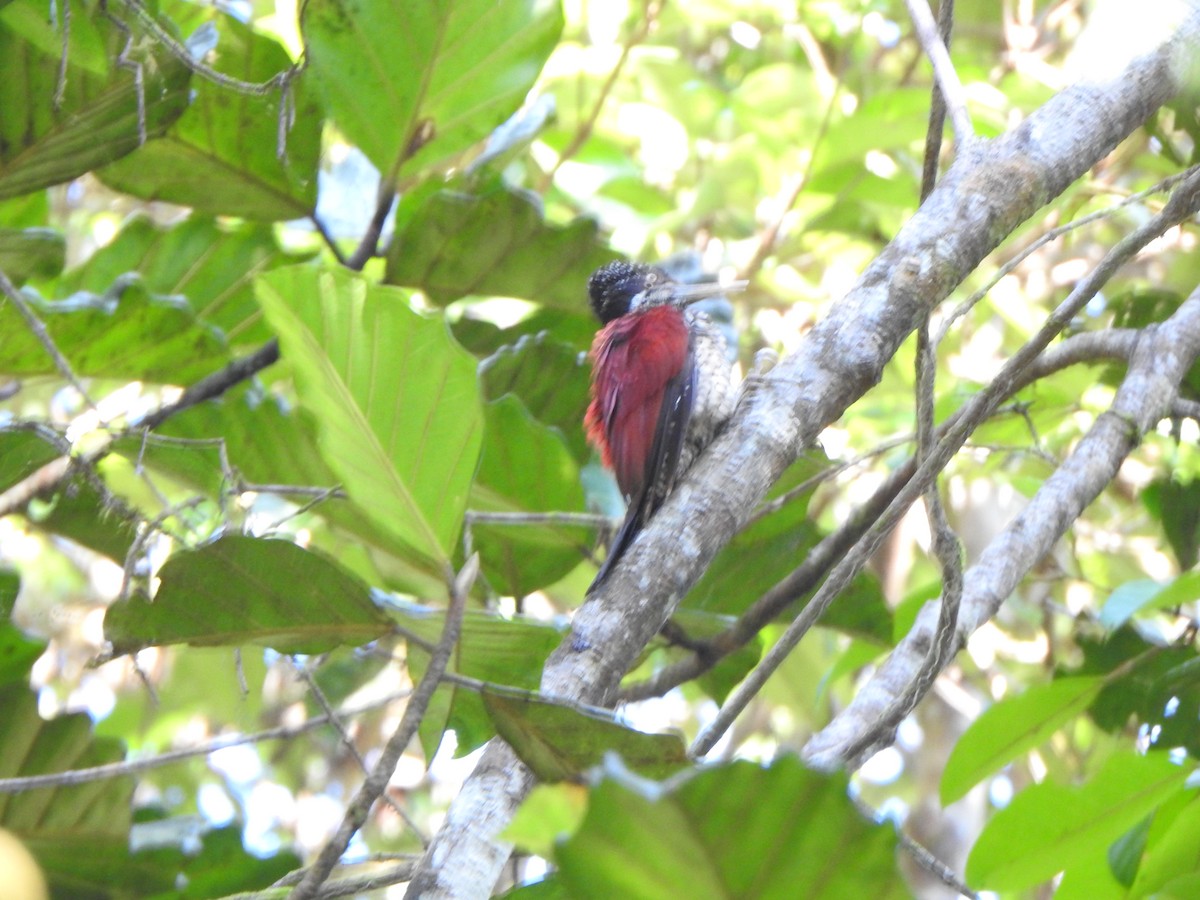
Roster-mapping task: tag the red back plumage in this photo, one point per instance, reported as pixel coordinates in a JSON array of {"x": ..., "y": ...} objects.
[{"x": 633, "y": 359}]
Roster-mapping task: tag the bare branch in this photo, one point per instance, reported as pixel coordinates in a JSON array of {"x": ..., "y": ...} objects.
[
  {"x": 1182, "y": 205},
  {"x": 375, "y": 783},
  {"x": 136, "y": 766},
  {"x": 991, "y": 188},
  {"x": 943, "y": 70},
  {"x": 1162, "y": 356}
]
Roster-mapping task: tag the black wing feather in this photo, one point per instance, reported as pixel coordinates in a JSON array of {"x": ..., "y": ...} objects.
[{"x": 662, "y": 464}]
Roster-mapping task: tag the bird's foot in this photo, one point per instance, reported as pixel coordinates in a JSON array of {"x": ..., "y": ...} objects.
[{"x": 764, "y": 361}]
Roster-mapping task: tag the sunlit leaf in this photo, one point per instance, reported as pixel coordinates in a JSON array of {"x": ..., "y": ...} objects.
[
  {"x": 1011, "y": 727},
  {"x": 449, "y": 72},
  {"x": 451, "y": 244},
  {"x": 1048, "y": 826},
  {"x": 242, "y": 590},
  {"x": 44, "y": 143},
  {"x": 395, "y": 400},
  {"x": 224, "y": 155}
]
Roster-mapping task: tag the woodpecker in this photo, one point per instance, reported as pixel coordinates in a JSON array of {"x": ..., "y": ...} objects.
[{"x": 661, "y": 386}]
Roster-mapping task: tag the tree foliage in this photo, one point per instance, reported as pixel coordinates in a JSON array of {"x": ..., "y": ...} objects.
[{"x": 297, "y": 507}]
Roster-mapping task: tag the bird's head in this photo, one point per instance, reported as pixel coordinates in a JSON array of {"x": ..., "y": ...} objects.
[{"x": 618, "y": 288}]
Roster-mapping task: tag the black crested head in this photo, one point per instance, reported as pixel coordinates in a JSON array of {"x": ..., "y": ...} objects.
[{"x": 613, "y": 286}]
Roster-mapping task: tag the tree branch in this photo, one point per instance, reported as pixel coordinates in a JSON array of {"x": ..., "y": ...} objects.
[
  {"x": 990, "y": 189},
  {"x": 1161, "y": 358},
  {"x": 375, "y": 782},
  {"x": 1182, "y": 205}
]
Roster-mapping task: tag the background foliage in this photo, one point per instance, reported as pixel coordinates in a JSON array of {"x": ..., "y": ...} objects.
[{"x": 286, "y": 548}]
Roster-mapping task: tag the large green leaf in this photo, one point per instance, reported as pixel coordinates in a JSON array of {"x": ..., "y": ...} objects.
[
  {"x": 17, "y": 652},
  {"x": 72, "y": 831},
  {"x": 222, "y": 156},
  {"x": 395, "y": 399},
  {"x": 1158, "y": 687},
  {"x": 551, "y": 380},
  {"x": 1011, "y": 727},
  {"x": 42, "y": 143},
  {"x": 242, "y": 590},
  {"x": 31, "y": 253},
  {"x": 491, "y": 649},
  {"x": 737, "y": 830},
  {"x": 451, "y": 244},
  {"x": 212, "y": 265},
  {"x": 125, "y": 333},
  {"x": 558, "y": 742},
  {"x": 1049, "y": 827},
  {"x": 525, "y": 468},
  {"x": 449, "y": 71}
]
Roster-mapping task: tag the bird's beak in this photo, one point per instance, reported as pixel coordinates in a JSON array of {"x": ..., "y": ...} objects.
[{"x": 685, "y": 294}]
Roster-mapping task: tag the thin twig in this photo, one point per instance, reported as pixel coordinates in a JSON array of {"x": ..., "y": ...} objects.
[
  {"x": 60, "y": 83},
  {"x": 943, "y": 70},
  {"x": 1182, "y": 204},
  {"x": 348, "y": 743},
  {"x": 937, "y": 107},
  {"x": 1048, "y": 237},
  {"x": 328, "y": 238},
  {"x": 344, "y": 887},
  {"x": 38, "y": 328},
  {"x": 582, "y": 520},
  {"x": 184, "y": 55},
  {"x": 215, "y": 384},
  {"x": 136, "y": 766},
  {"x": 919, "y": 852},
  {"x": 584, "y": 131},
  {"x": 369, "y": 245},
  {"x": 377, "y": 780}
]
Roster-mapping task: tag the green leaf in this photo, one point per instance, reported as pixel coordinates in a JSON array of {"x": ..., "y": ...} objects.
[
  {"x": 449, "y": 71},
  {"x": 558, "y": 742},
  {"x": 395, "y": 399},
  {"x": 1170, "y": 846},
  {"x": 42, "y": 143},
  {"x": 452, "y": 244},
  {"x": 1158, "y": 686},
  {"x": 128, "y": 333},
  {"x": 1011, "y": 727},
  {"x": 222, "y": 157},
  {"x": 764, "y": 553},
  {"x": 242, "y": 590},
  {"x": 17, "y": 652},
  {"x": 549, "y": 813},
  {"x": 1144, "y": 595},
  {"x": 1049, "y": 827},
  {"x": 525, "y": 468},
  {"x": 1177, "y": 505},
  {"x": 491, "y": 649},
  {"x": 736, "y": 830},
  {"x": 78, "y": 512},
  {"x": 78, "y": 834},
  {"x": 551, "y": 380},
  {"x": 211, "y": 264},
  {"x": 31, "y": 253}
]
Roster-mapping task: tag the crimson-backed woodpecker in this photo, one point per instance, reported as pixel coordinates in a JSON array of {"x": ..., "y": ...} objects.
[{"x": 661, "y": 386}]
